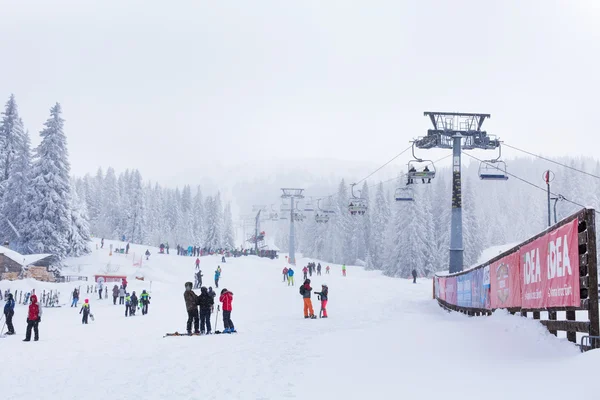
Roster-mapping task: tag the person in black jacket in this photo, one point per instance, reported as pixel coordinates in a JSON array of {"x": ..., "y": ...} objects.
[
  {"x": 134, "y": 304},
  {"x": 323, "y": 296},
  {"x": 414, "y": 274},
  {"x": 206, "y": 302}
]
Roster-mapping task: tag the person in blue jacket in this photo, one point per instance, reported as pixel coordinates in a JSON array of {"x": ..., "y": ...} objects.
[
  {"x": 290, "y": 276},
  {"x": 9, "y": 311},
  {"x": 217, "y": 276}
]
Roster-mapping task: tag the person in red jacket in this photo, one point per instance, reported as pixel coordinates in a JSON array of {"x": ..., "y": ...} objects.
[
  {"x": 227, "y": 298},
  {"x": 33, "y": 319},
  {"x": 305, "y": 271},
  {"x": 285, "y": 275}
]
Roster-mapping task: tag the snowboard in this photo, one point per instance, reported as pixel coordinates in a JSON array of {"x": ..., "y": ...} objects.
[{"x": 194, "y": 334}]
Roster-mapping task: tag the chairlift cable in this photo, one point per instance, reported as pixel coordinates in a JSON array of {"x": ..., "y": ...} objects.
[
  {"x": 552, "y": 161},
  {"x": 384, "y": 165}
]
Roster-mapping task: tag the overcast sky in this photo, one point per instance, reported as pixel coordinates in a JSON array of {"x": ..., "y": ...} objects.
[{"x": 172, "y": 86}]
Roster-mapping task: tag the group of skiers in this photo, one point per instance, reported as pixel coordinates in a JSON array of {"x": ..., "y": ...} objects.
[
  {"x": 205, "y": 302},
  {"x": 310, "y": 268},
  {"x": 198, "y": 275},
  {"x": 34, "y": 317},
  {"x": 288, "y": 275}
]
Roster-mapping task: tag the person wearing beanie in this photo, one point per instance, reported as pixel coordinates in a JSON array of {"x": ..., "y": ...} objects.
[
  {"x": 323, "y": 296},
  {"x": 9, "y": 311},
  {"x": 227, "y": 299},
  {"x": 191, "y": 305},
  {"x": 305, "y": 290},
  {"x": 85, "y": 309},
  {"x": 34, "y": 317}
]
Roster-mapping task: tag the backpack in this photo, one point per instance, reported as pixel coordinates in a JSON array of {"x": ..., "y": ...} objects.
[{"x": 302, "y": 290}]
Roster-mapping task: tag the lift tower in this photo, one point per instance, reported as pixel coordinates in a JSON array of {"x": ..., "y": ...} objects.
[
  {"x": 456, "y": 131},
  {"x": 292, "y": 194}
]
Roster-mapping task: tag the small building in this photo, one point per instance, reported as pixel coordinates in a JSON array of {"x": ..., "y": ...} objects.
[{"x": 14, "y": 265}]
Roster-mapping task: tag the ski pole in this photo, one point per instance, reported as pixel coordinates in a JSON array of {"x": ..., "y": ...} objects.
[{"x": 217, "y": 317}]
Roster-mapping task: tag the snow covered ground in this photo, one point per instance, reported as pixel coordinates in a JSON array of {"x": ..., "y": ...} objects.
[{"x": 385, "y": 337}]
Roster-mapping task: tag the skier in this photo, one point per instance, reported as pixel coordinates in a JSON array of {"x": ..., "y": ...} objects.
[
  {"x": 100, "y": 288},
  {"x": 134, "y": 303},
  {"x": 344, "y": 269},
  {"x": 198, "y": 278},
  {"x": 223, "y": 259},
  {"x": 115, "y": 294},
  {"x": 145, "y": 300},
  {"x": 191, "y": 305},
  {"x": 121, "y": 295},
  {"x": 414, "y": 275},
  {"x": 147, "y": 254},
  {"x": 227, "y": 298},
  {"x": 75, "y": 297},
  {"x": 285, "y": 273},
  {"x": 310, "y": 269},
  {"x": 305, "y": 290},
  {"x": 323, "y": 297},
  {"x": 124, "y": 283},
  {"x": 206, "y": 302},
  {"x": 305, "y": 271},
  {"x": 211, "y": 292},
  {"x": 34, "y": 317},
  {"x": 127, "y": 249},
  {"x": 327, "y": 270},
  {"x": 127, "y": 304},
  {"x": 102, "y": 243},
  {"x": 290, "y": 276},
  {"x": 217, "y": 276},
  {"x": 85, "y": 309},
  {"x": 106, "y": 292},
  {"x": 319, "y": 269},
  {"x": 167, "y": 247},
  {"x": 9, "y": 311},
  {"x": 197, "y": 263}
]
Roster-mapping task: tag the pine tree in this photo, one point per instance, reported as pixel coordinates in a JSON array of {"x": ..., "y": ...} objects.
[
  {"x": 228, "y": 235},
  {"x": 379, "y": 222},
  {"x": 50, "y": 198},
  {"x": 79, "y": 233},
  {"x": 11, "y": 137}
]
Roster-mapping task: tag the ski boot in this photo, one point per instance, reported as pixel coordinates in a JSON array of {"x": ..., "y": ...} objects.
[
  {"x": 306, "y": 317},
  {"x": 313, "y": 316}
]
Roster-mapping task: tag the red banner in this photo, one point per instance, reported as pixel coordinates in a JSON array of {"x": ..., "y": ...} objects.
[
  {"x": 442, "y": 288},
  {"x": 451, "y": 290},
  {"x": 505, "y": 282},
  {"x": 550, "y": 269}
]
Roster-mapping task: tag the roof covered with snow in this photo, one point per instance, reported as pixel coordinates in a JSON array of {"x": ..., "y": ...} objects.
[{"x": 21, "y": 258}]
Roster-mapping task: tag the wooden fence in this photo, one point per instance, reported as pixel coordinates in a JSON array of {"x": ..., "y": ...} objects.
[{"x": 588, "y": 285}]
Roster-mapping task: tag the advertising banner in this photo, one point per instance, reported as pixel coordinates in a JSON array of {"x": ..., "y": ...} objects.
[
  {"x": 463, "y": 290},
  {"x": 442, "y": 292},
  {"x": 550, "y": 269},
  {"x": 485, "y": 288},
  {"x": 451, "y": 290},
  {"x": 476, "y": 288},
  {"x": 505, "y": 282}
]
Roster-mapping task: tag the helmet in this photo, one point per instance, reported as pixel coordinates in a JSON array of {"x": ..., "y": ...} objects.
[
  {"x": 87, "y": 300},
  {"x": 143, "y": 291}
]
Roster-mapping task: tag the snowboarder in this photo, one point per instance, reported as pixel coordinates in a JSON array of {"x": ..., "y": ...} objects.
[
  {"x": 85, "y": 309},
  {"x": 414, "y": 275},
  {"x": 227, "y": 298},
  {"x": 34, "y": 317},
  {"x": 197, "y": 263},
  {"x": 290, "y": 276},
  {"x": 206, "y": 302},
  {"x": 285, "y": 273},
  {"x": 323, "y": 297},
  {"x": 134, "y": 303},
  {"x": 191, "y": 305},
  {"x": 319, "y": 269},
  {"x": 147, "y": 254},
  {"x": 75, "y": 297},
  {"x": 305, "y": 272},
  {"x": 145, "y": 300},
  {"x": 327, "y": 270},
  {"x": 305, "y": 290},
  {"x": 121, "y": 295},
  {"x": 9, "y": 311},
  {"x": 127, "y": 249},
  {"x": 217, "y": 276},
  {"x": 344, "y": 269},
  {"x": 115, "y": 294},
  {"x": 127, "y": 304}
]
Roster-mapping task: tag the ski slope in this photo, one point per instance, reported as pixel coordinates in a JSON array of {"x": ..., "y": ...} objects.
[{"x": 384, "y": 337}]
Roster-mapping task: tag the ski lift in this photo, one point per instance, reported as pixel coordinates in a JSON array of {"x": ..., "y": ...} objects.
[
  {"x": 308, "y": 206},
  {"x": 358, "y": 205},
  {"x": 321, "y": 216},
  {"x": 404, "y": 194},
  {"x": 425, "y": 175},
  {"x": 493, "y": 170},
  {"x": 273, "y": 216}
]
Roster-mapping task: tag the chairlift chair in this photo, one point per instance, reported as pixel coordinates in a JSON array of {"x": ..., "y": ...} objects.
[
  {"x": 493, "y": 170},
  {"x": 404, "y": 194},
  {"x": 321, "y": 215},
  {"x": 425, "y": 175},
  {"x": 358, "y": 205},
  {"x": 308, "y": 205}
]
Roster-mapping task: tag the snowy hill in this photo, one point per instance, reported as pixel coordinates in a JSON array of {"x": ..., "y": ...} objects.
[{"x": 385, "y": 338}]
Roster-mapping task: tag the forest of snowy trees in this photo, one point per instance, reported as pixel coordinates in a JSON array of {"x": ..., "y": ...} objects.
[
  {"x": 39, "y": 211},
  {"x": 150, "y": 214},
  {"x": 397, "y": 237}
]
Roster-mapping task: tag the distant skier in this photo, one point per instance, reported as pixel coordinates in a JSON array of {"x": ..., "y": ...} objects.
[
  {"x": 134, "y": 303},
  {"x": 219, "y": 269},
  {"x": 319, "y": 269},
  {"x": 127, "y": 249},
  {"x": 147, "y": 254},
  {"x": 305, "y": 290},
  {"x": 197, "y": 263},
  {"x": 124, "y": 283},
  {"x": 323, "y": 296},
  {"x": 167, "y": 247},
  {"x": 75, "y": 297},
  {"x": 285, "y": 274},
  {"x": 290, "y": 276},
  {"x": 206, "y": 302},
  {"x": 344, "y": 269},
  {"x": 327, "y": 270},
  {"x": 223, "y": 259},
  {"x": 106, "y": 292},
  {"x": 115, "y": 293},
  {"x": 9, "y": 311},
  {"x": 102, "y": 243},
  {"x": 121, "y": 295},
  {"x": 85, "y": 309},
  {"x": 227, "y": 299},
  {"x": 34, "y": 317},
  {"x": 191, "y": 305},
  {"x": 217, "y": 276},
  {"x": 127, "y": 304},
  {"x": 310, "y": 269},
  {"x": 100, "y": 288},
  {"x": 198, "y": 278},
  {"x": 305, "y": 272},
  {"x": 145, "y": 300},
  {"x": 414, "y": 275}
]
